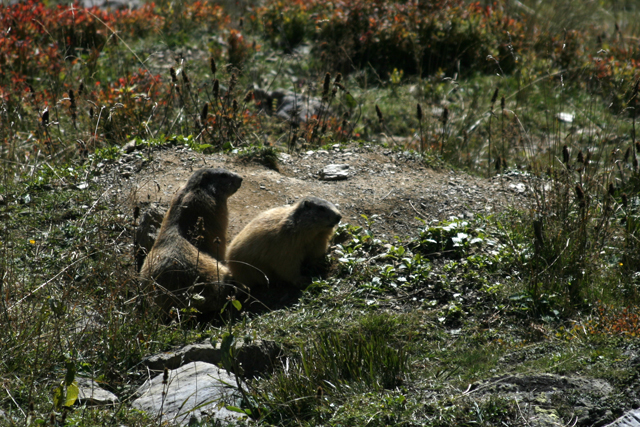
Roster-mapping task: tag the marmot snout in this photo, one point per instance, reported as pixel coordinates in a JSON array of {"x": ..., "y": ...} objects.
[{"x": 278, "y": 242}]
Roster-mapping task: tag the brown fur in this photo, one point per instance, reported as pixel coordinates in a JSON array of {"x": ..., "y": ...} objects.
[
  {"x": 278, "y": 242},
  {"x": 185, "y": 258}
]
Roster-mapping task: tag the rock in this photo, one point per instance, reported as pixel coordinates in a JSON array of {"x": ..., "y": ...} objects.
[
  {"x": 284, "y": 157},
  {"x": 335, "y": 172},
  {"x": 90, "y": 393},
  {"x": 565, "y": 117},
  {"x": 192, "y": 391},
  {"x": 129, "y": 147},
  {"x": 147, "y": 232},
  {"x": 289, "y": 106},
  {"x": 547, "y": 383},
  {"x": 630, "y": 419},
  {"x": 255, "y": 359},
  {"x": 541, "y": 393},
  {"x": 518, "y": 188}
]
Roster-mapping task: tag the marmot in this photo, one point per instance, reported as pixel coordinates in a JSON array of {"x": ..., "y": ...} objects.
[
  {"x": 192, "y": 242},
  {"x": 278, "y": 242}
]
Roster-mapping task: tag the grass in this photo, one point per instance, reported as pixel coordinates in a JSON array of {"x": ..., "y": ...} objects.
[{"x": 552, "y": 286}]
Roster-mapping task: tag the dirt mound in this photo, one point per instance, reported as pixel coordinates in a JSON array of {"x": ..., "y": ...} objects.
[{"x": 390, "y": 188}]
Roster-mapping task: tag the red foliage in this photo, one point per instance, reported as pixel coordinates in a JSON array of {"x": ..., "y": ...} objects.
[
  {"x": 239, "y": 49},
  {"x": 616, "y": 321},
  {"x": 36, "y": 40}
]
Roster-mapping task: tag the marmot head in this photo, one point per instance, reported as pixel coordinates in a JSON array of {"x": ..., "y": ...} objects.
[
  {"x": 314, "y": 212},
  {"x": 217, "y": 183}
]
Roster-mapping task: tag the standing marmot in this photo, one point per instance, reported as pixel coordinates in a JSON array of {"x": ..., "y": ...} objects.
[
  {"x": 279, "y": 241},
  {"x": 186, "y": 251}
]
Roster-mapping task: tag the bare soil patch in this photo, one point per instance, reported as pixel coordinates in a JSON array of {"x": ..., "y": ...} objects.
[{"x": 391, "y": 188}]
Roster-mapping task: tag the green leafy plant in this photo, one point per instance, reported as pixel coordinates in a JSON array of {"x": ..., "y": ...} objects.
[
  {"x": 451, "y": 239},
  {"x": 66, "y": 394}
]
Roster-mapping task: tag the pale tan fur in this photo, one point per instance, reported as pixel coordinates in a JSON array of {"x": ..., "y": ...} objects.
[
  {"x": 279, "y": 241},
  {"x": 186, "y": 258}
]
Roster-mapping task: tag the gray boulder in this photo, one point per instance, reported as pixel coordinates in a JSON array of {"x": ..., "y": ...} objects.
[
  {"x": 335, "y": 172},
  {"x": 538, "y": 396},
  {"x": 91, "y": 394},
  {"x": 289, "y": 106},
  {"x": 630, "y": 419},
  {"x": 254, "y": 359},
  {"x": 193, "y": 391}
]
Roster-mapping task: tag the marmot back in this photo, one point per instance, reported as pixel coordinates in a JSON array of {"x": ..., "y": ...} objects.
[
  {"x": 192, "y": 242},
  {"x": 279, "y": 241}
]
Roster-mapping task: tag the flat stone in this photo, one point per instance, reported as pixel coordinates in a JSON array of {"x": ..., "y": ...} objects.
[
  {"x": 630, "y": 419},
  {"x": 192, "y": 391},
  {"x": 284, "y": 157},
  {"x": 518, "y": 188},
  {"x": 335, "y": 172},
  {"x": 203, "y": 352},
  {"x": 539, "y": 392},
  {"x": 547, "y": 383},
  {"x": 129, "y": 147},
  {"x": 566, "y": 117},
  {"x": 90, "y": 393},
  {"x": 254, "y": 359}
]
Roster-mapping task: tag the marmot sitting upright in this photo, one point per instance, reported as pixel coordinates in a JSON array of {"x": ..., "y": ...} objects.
[
  {"x": 279, "y": 241},
  {"x": 192, "y": 242}
]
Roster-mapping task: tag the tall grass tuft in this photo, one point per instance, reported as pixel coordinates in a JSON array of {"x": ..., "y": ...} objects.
[{"x": 330, "y": 366}]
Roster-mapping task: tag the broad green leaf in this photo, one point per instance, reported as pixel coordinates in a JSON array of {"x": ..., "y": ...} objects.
[
  {"x": 72, "y": 394},
  {"x": 58, "y": 395},
  {"x": 226, "y": 347}
]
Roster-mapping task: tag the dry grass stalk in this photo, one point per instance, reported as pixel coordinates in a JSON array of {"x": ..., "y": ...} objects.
[
  {"x": 216, "y": 89},
  {"x": 204, "y": 113},
  {"x": 379, "y": 114},
  {"x": 419, "y": 115},
  {"x": 325, "y": 86}
]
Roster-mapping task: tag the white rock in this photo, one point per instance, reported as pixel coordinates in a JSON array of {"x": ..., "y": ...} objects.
[
  {"x": 90, "y": 393},
  {"x": 630, "y": 419},
  {"x": 335, "y": 172},
  {"x": 565, "y": 117},
  {"x": 129, "y": 147},
  {"x": 193, "y": 390}
]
